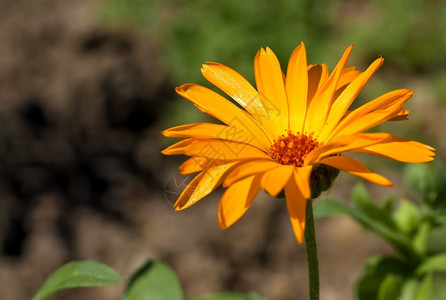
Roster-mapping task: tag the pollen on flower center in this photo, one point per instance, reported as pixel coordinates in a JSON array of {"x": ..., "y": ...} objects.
[{"x": 293, "y": 148}]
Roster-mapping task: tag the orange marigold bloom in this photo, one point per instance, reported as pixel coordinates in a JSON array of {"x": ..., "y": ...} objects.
[{"x": 283, "y": 130}]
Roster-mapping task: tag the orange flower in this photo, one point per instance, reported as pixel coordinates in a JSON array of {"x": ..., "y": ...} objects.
[{"x": 282, "y": 131}]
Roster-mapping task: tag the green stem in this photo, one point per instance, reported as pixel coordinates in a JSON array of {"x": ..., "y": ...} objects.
[{"x": 310, "y": 246}]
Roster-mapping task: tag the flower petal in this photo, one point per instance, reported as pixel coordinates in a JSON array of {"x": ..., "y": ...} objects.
[
  {"x": 202, "y": 185},
  {"x": 248, "y": 168},
  {"x": 275, "y": 179},
  {"x": 222, "y": 109},
  {"x": 402, "y": 150},
  {"x": 354, "y": 167},
  {"x": 193, "y": 165},
  {"x": 319, "y": 107},
  {"x": 372, "y": 119},
  {"x": 348, "y": 75},
  {"x": 215, "y": 149},
  {"x": 178, "y": 148},
  {"x": 237, "y": 199},
  {"x": 217, "y": 131},
  {"x": 342, "y": 103},
  {"x": 297, "y": 88},
  {"x": 302, "y": 176},
  {"x": 269, "y": 81},
  {"x": 236, "y": 86},
  {"x": 296, "y": 204},
  {"x": 379, "y": 103},
  {"x": 346, "y": 143},
  {"x": 317, "y": 75}
]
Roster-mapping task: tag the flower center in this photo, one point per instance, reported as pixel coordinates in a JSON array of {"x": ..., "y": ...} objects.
[{"x": 293, "y": 148}]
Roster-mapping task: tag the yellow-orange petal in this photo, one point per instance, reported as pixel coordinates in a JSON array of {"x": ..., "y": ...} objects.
[
  {"x": 222, "y": 109},
  {"x": 354, "y": 167},
  {"x": 320, "y": 105},
  {"x": 297, "y": 88},
  {"x": 221, "y": 150},
  {"x": 202, "y": 185},
  {"x": 302, "y": 176},
  {"x": 384, "y": 101},
  {"x": 345, "y": 143},
  {"x": 275, "y": 179},
  {"x": 193, "y": 165},
  {"x": 317, "y": 75},
  {"x": 347, "y": 76},
  {"x": 372, "y": 119},
  {"x": 401, "y": 149},
  {"x": 296, "y": 204},
  {"x": 248, "y": 168},
  {"x": 269, "y": 81},
  {"x": 216, "y": 131},
  {"x": 177, "y": 148},
  {"x": 401, "y": 116},
  {"x": 236, "y": 200},
  {"x": 236, "y": 86},
  {"x": 342, "y": 103}
]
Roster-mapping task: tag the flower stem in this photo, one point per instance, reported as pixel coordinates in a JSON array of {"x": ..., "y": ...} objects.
[{"x": 311, "y": 248}]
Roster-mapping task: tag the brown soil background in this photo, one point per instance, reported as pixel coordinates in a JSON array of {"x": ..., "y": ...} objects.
[{"x": 82, "y": 176}]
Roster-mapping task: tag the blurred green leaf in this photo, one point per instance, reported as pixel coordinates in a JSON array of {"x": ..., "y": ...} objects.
[
  {"x": 154, "y": 281},
  {"x": 75, "y": 274},
  {"x": 330, "y": 207},
  {"x": 388, "y": 204},
  {"x": 375, "y": 270},
  {"x": 409, "y": 289},
  {"x": 426, "y": 288},
  {"x": 362, "y": 201},
  {"x": 407, "y": 217},
  {"x": 420, "y": 239},
  {"x": 370, "y": 216},
  {"x": 436, "y": 242},
  {"x": 229, "y": 296},
  {"x": 432, "y": 264},
  {"x": 390, "y": 288},
  {"x": 429, "y": 181}
]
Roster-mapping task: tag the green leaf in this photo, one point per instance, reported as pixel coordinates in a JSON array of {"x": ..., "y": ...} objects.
[
  {"x": 369, "y": 215},
  {"x": 230, "y": 296},
  {"x": 330, "y": 207},
  {"x": 388, "y": 203},
  {"x": 432, "y": 264},
  {"x": 74, "y": 274},
  {"x": 420, "y": 239},
  {"x": 154, "y": 281},
  {"x": 409, "y": 289},
  {"x": 390, "y": 288},
  {"x": 426, "y": 288},
  {"x": 362, "y": 201},
  {"x": 429, "y": 181},
  {"x": 375, "y": 270},
  {"x": 407, "y": 217}
]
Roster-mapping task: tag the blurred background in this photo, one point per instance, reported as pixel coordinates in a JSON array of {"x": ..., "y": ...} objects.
[{"x": 86, "y": 87}]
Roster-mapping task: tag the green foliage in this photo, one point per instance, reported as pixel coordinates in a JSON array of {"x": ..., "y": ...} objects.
[
  {"x": 154, "y": 281},
  {"x": 428, "y": 181},
  {"x": 231, "y": 31},
  {"x": 377, "y": 270},
  {"x": 432, "y": 264},
  {"x": 391, "y": 287},
  {"x": 407, "y": 217},
  {"x": 370, "y": 216},
  {"x": 407, "y": 227},
  {"x": 425, "y": 290},
  {"x": 75, "y": 274},
  {"x": 230, "y": 296}
]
